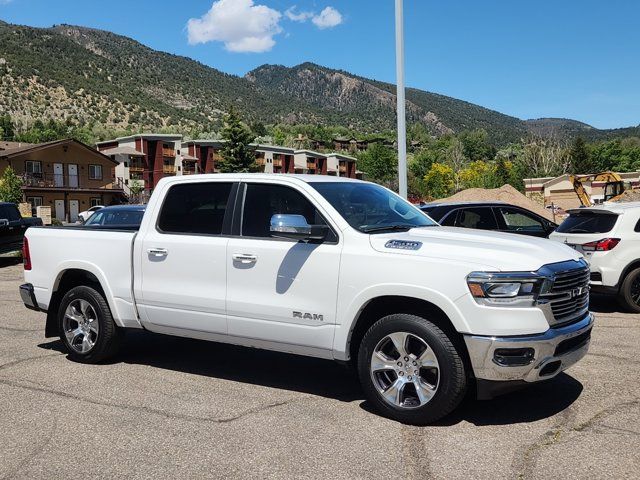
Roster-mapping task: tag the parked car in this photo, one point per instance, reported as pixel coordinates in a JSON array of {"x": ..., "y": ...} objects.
[
  {"x": 13, "y": 226},
  {"x": 84, "y": 216},
  {"x": 328, "y": 267},
  {"x": 498, "y": 216},
  {"x": 117, "y": 216},
  {"x": 608, "y": 236}
]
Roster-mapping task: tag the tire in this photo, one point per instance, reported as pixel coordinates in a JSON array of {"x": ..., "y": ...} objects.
[
  {"x": 86, "y": 326},
  {"x": 441, "y": 380},
  {"x": 629, "y": 295}
]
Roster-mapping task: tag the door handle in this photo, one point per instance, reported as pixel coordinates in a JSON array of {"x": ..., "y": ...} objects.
[
  {"x": 158, "y": 252},
  {"x": 244, "y": 258}
]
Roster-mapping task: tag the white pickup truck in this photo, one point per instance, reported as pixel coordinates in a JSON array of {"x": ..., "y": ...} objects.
[{"x": 326, "y": 267}]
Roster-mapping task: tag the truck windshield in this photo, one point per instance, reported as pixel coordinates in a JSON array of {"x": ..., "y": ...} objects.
[
  {"x": 588, "y": 222},
  {"x": 371, "y": 208}
]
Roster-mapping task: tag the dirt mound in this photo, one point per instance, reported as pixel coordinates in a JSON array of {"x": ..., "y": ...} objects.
[
  {"x": 506, "y": 194},
  {"x": 629, "y": 196}
]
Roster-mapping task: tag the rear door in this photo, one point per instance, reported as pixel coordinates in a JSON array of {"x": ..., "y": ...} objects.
[
  {"x": 481, "y": 218},
  {"x": 519, "y": 221},
  {"x": 281, "y": 290},
  {"x": 183, "y": 265}
]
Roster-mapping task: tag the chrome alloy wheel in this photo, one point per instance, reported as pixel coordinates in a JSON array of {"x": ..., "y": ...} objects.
[
  {"x": 80, "y": 326},
  {"x": 405, "y": 370}
]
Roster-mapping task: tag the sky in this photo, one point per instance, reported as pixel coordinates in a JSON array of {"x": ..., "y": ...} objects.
[{"x": 576, "y": 59}]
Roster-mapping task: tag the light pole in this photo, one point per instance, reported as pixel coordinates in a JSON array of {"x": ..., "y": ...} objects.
[{"x": 402, "y": 126}]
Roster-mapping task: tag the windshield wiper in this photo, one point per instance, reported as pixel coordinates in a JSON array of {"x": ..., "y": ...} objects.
[{"x": 384, "y": 228}]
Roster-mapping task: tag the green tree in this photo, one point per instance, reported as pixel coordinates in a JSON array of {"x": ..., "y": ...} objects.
[
  {"x": 503, "y": 172},
  {"x": 476, "y": 145},
  {"x": 10, "y": 187},
  {"x": 439, "y": 181},
  {"x": 7, "y": 129},
  {"x": 379, "y": 163},
  {"x": 580, "y": 158},
  {"x": 238, "y": 156}
]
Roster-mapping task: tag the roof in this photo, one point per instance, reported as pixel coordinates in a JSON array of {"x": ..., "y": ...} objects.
[
  {"x": 135, "y": 208},
  {"x": 310, "y": 153},
  {"x": 340, "y": 156},
  {"x": 205, "y": 142},
  {"x": 41, "y": 146},
  {"x": 295, "y": 177},
  {"x": 151, "y": 136},
  {"x": 123, "y": 151},
  {"x": 12, "y": 145},
  {"x": 612, "y": 207},
  {"x": 466, "y": 204},
  {"x": 273, "y": 148},
  {"x": 189, "y": 157}
]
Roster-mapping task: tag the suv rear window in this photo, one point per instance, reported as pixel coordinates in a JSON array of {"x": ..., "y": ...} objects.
[{"x": 588, "y": 222}]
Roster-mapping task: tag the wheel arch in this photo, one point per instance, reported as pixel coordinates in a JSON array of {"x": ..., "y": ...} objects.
[{"x": 628, "y": 269}]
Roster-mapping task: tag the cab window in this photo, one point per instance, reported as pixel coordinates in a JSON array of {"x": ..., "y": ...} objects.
[{"x": 479, "y": 218}]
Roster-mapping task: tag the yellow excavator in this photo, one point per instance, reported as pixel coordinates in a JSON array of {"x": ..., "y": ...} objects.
[{"x": 613, "y": 187}]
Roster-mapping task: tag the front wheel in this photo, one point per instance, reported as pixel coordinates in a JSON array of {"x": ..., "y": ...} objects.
[
  {"x": 410, "y": 370},
  {"x": 86, "y": 326},
  {"x": 629, "y": 295}
]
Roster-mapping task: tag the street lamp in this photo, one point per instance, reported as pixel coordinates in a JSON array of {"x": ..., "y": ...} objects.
[{"x": 402, "y": 125}]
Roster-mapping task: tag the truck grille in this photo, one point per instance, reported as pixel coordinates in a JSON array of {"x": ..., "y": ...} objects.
[{"x": 569, "y": 295}]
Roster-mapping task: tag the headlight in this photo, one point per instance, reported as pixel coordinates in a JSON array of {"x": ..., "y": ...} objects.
[{"x": 509, "y": 289}]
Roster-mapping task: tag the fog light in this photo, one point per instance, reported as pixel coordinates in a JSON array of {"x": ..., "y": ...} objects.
[{"x": 513, "y": 357}]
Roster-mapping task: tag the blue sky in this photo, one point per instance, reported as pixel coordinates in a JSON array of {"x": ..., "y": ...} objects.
[{"x": 549, "y": 58}]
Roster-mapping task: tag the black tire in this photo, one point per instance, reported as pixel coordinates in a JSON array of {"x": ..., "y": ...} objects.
[
  {"x": 631, "y": 288},
  {"x": 109, "y": 336},
  {"x": 452, "y": 381}
]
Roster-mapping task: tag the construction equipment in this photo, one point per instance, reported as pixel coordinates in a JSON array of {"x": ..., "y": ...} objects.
[{"x": 613, "y": 188}]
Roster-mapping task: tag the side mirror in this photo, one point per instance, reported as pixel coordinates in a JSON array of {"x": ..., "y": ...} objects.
[
  {"x": 4, "y": 222},
  {"x": 295, "y": 227}
]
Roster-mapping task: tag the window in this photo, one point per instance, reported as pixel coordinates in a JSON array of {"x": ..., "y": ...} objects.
[
  {"x": 33, "y": 167},
  {"x": 449, "y": 220},
  {"x": 35, "y": 201},
  {"x": 9, "y": 212},
  {"x": 95, "y": 202},
  {"x": 262, "y": 201},
  {"x": 637, "y": 227},
  {"x": 518, "y": 221},
  {"x": 195, "y": 208},
  {"x": 480, "y": 218},
  {"x": 588, "y": 222},
  {"x": 95, "y": 172}
]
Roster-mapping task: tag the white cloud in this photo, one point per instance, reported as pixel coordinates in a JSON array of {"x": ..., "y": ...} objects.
[
  {"x": 328, "y": 18},
  {"x": 240, "y": 24},
  {"x": 291, "y": 14}
]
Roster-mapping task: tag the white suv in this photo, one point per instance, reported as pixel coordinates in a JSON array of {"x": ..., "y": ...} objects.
[{"x": 608, "y": 236}]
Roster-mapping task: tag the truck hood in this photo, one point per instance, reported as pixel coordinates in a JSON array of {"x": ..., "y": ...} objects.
[{"x": 500, "y": 251}]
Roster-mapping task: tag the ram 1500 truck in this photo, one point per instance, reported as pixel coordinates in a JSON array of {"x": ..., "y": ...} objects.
[
  {"x": 322, "y": 266},
  {"x": 13, "y": 226}
]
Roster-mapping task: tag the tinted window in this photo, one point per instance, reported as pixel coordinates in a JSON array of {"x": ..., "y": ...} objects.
[
  {"x": 588, "y": 222},
  {"x": 518, "y": 221},
  {"x": 10, "y": 213},
  {"x": 195, "y": 208},
  {"x": 637, "y": 227},
  {"x": 116, "y": 217},
  {"x": 449, "y": 220},
  {"x": 367, "y": 206},
  {"x": 262, "y": 201},
  {"x": 480, "y": 218}
]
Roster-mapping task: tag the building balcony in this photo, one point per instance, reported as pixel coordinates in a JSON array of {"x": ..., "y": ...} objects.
[
  {"x": 168, "y": 152},
  {"x": 311, "y": 165},
  {"x": 136, "y": 169},
  {"x": 342, "y": 168},
  {"x": 57, "y": 181},
  {"x": 260, "y": 162},
  {"x": 277, "y": 162},
  {"x": 171, "y": 169},
  {"x": 189, "y": 171}
]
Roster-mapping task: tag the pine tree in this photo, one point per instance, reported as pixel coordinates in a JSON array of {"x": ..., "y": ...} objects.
[
  {"x": 7, "y": 128},
  {"x": 502, "y": 172},
  {"x": 10, "y": 187},
  {"x": 238, "y": 156},
  {"x": 580, "y": 159}
]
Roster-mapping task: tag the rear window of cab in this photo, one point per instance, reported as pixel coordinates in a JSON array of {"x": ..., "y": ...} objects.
[{"x": 588, "y": 222}]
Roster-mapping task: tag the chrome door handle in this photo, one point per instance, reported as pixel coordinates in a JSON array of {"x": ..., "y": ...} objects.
[
  {"x": 244, "y": 258},
  {"x": 157, "y": 252}
]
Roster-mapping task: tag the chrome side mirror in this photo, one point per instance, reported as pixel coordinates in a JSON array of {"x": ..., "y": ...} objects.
[{"x": 295, "y": 227}]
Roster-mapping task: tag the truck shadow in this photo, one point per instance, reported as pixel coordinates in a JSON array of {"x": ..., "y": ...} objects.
[
  {"x": 605, "y": 304},
  {"x": 9, "y": 261},
  {"x": 324, "y": 378}
]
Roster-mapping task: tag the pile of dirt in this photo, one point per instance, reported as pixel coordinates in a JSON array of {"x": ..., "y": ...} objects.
[
  {"x": 629, "y": 196},
  {"x": 506, "y": 194}
]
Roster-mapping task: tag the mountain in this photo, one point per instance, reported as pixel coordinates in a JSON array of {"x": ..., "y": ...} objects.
[{"x": 90, "y": 76}]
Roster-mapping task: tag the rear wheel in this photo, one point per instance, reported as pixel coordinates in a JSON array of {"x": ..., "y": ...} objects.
[
  {"x": 629, "y": 295},
  {"x": 410, "y": 370},
  {"x": 86, "y": 326}
]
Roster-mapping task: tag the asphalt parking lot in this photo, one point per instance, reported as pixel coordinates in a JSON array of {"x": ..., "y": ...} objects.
[{"x": 179, "y": 408}]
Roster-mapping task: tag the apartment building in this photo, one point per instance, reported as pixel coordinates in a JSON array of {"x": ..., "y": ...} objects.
[
  {"x": 66, "y": 175},
  {"x": 153, "y": 155},
  {"x": 201, "y": 155}
]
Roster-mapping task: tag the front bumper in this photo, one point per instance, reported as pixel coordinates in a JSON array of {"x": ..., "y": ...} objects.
[
  {"x": 28, "y": 297},
  {"x": 529, "y": 358}
]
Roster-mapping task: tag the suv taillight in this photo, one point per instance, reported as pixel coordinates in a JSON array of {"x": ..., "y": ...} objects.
[
  {"x": 26, "y": 256},
  {"x": 603, "y": 245}
]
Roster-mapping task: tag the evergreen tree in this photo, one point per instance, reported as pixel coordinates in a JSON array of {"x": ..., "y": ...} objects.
[
  {"x": 503, "y": 175},
  {"x": 378, "y": 163},
  {"x": 10, "y": 187},
  {"x": 7, "y": 130},
  {"x": 238, "y": 156},
  {"x": 580, "y": 159}
]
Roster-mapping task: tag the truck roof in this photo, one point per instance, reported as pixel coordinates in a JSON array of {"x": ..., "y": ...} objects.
[{"x": 297, "y": 177}]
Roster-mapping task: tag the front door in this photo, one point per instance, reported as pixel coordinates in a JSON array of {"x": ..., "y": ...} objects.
[
  {"x": 281, "y": 290},
  {"x": 58, "y": 175},
  {"x": 74, "y": 209},
  {"x": 73, "y": 175},
  {"x": 183, "y": 279},
  {"x": 59, "y": 204}
]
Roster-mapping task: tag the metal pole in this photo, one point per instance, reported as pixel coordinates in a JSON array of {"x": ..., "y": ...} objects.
[{"x": 402, "y": 127}]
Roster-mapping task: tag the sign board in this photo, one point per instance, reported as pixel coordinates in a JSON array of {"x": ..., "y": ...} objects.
[{"x": 45, "y": 214}]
